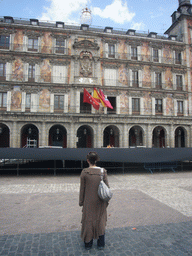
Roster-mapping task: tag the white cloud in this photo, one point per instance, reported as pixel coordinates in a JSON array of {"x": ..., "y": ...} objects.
[
  {"x": 138, "y": 26},
  {"x": 65, "y": 10},
  {"x": 117, "y": 12}
]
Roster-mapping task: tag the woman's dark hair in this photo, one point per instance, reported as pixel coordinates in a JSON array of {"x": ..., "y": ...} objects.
[{"x": 93, "y": 157}]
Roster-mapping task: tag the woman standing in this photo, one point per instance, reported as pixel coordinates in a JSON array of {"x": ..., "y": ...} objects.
[{"x": 94, "y": 213}]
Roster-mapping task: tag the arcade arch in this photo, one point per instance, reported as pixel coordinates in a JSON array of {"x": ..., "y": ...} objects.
[
  {"x": 58, "y": 136},
  {"x": 136, "y": 136},
  {"x": 158, "y": 140},
  {"x": 29, "y": 136},
  {"x": 85, "y": 137},
  {"x": 111, "y": 136},
  {"x": 4, "y": 136}
]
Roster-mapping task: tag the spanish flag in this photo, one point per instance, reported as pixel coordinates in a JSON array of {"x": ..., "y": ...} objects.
[{"x": 97, "y": 96}]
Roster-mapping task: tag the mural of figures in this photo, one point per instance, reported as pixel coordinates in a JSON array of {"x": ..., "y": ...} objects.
[
  {"x": 145, "y": 52},
  {"x": 147, "y": 103},
  {"x": 146, "y": 76},
  {"x": 16, "y": 98},
  {"x": 124, "y": 103},
  {"x": 169, "y": 104},
  {"x": 46, "y": 43},
  {"x": 167, "y": 55},
  {"x": 18, "y": 41},
  {"x": 123, "y": 76},
  {"x": 17, "y": 71},
  {"x": 122, "y": 50},
  {"x": 168, "y": 79},
  {"x": 45, "y": 71},
  {"x": 44, "y": 101}
]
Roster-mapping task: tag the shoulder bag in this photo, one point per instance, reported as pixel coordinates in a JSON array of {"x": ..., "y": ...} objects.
[{"x": 103, "y": 191}]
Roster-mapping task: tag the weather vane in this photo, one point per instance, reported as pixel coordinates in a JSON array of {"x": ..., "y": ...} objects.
[{"x": 86, "y": 17}]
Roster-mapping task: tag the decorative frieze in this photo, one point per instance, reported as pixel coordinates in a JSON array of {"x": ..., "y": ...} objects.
[{"x": 85, "y": 44}]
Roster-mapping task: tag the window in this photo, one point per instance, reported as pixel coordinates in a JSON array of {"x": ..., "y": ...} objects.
[
  {"x": 4, "y": 42},
  {"x": 135, "y": 79},
  {"x": 34, "y": 22},
  {"x": 28, "y": 101},
  {"x": 112, "y": 100},
  {"x": 155, "y": 55},
  {"x": 59, "y": 24},
  {"x": 31, "y": 73},
  {"x": 134, "y": 53},
  {"x": 59, "y": 102},
  {"x": 33, "y": 44},
  {"x": 3, "y": 99},
  {"x": 179, "y": 107},
  {"x": 111, "y": 50},
  {"x": 178, "y": 57},
  {"x": 158, "y": 81},
  {"x": 84, "y": 107},
  {"x": 179, "y": 82},
  {"x": 2, "y": 71},
  {"x": 110, "y": 76},
  {"x": 136, "y": 106},
  {"x": 60, "y": 46},
  {"x": 158, "y": 106}
]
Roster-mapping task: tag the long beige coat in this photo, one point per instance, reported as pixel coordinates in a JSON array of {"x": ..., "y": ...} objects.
[{"x": 94, "y": 213}]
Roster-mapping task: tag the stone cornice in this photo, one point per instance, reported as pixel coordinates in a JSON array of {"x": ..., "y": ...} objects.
[{"x": 85, "y": 44}]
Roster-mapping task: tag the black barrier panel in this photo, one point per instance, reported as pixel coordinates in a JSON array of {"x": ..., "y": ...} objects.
[{"x": 132, "y": 155}]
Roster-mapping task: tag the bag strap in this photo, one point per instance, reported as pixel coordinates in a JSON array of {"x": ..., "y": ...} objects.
[{"x": 102, "y": 173}]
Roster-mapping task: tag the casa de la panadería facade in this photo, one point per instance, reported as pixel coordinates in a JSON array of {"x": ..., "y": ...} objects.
[{"x": 45, "y": 66}]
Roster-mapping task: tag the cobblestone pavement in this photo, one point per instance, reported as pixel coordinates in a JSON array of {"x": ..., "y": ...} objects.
[{"x": 148, "y": 215}]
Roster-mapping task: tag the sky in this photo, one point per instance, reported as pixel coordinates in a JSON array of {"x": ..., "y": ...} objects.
[{"x": 141, "y": 15}]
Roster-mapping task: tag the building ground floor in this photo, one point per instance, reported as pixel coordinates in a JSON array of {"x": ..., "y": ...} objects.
[{"x": 89, "y": 131}]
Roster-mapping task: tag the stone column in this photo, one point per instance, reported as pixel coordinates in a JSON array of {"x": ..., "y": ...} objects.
[
  {"x": 72, "y": 136},
  {"x": 14, "y": 134},
  {"x": 125, "y": 136},
  {"x": 99, "y": 136},
  {"x": 171, "y": 136},
  {"x": 43, "y": 136},
  {"x": 149, "y": 136}
]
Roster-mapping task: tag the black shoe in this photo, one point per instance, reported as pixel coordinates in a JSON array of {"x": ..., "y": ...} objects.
[
  {"x": 100, "y": 247},
  {"x": 88, "y": 247}
]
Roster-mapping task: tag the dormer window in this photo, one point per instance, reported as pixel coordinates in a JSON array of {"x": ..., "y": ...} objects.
[
  {"x": 108, "y": 29},
  {"x": 84, "y": 27},
  {"x": 152, "y": 35},
  {"x": 34, "y": 22},
  {"x": 131, "y": 32},
  {"x": 8, "y": 19},
  {"x": 59, "y": 24},
  {"x": 173, "y": 38}
]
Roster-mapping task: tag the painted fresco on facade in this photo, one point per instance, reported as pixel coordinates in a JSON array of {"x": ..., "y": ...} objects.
[
  {"x": 46, "y": 43},
  {"x": 18, "y": 41},
  {"x": 17, "y": 70},
  {"x": 16, "y": 98},
  {"x": 168, "y": 79},
  {"x": 169, "y": 104},
  {"x": 124, "y": 103},
  {"x": 45, "y": 71},
  {"x": 146, "y": 76},
  {"x": 122, "y": 49},
  {"x": 44, "y": 101},
  {"x": 147, "y": 103},
  {"x": 167, "y": 54},
  {"x": 189, "y": 31},
  {"x": 145, "y": 52},
  {"x": 123, "y": 75}
]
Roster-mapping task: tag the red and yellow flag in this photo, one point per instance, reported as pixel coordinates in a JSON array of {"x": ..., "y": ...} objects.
[{"x": 97, "y": 96}]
